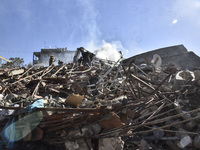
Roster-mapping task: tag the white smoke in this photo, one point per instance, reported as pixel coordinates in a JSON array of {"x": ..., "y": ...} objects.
[
  {"x": 87, "y": 27},
  {"x": 108, "y": 51},
  {"x": 90, "y": 31}
]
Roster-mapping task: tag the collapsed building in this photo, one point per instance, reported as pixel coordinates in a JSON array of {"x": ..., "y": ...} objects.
[
  {"x": 177, "y": 55},
  {"x": 142, "y": 102}
]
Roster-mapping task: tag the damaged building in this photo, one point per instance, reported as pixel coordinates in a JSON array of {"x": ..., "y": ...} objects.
[
  {"x": 177, "y": 55},
  {"x": 60, "y": 54}
]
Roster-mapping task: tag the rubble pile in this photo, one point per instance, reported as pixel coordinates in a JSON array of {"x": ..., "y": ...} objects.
[{"x": 100, "y": 105}]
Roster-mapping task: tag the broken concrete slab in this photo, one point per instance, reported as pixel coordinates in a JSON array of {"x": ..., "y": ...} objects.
[
  {"x": 14, "y": 72},
  {"x": 185, "y": 141},
  {"x": 114, "y": 143}
]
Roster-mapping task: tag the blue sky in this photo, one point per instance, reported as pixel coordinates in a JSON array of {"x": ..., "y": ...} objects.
[{"x": 134, "y": 26}]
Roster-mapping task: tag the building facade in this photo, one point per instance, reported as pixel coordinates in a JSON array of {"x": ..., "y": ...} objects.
[{"x": 60, "y": 54}]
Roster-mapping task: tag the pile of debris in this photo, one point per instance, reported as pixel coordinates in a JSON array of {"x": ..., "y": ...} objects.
[{"x": 100, "y": 105}]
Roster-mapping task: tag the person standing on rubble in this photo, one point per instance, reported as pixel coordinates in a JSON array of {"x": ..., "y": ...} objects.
[{"x": 51, "y": 60}]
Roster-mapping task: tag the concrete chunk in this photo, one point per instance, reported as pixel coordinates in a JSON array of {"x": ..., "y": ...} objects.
[
  {"x": 184, "y": 142},
  {"x": 197, "y": 141}
]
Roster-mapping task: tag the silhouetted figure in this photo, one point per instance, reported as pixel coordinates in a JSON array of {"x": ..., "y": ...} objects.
[
  {"x": 60, "y": 62},
  {"x": 87, "y": 56}
]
